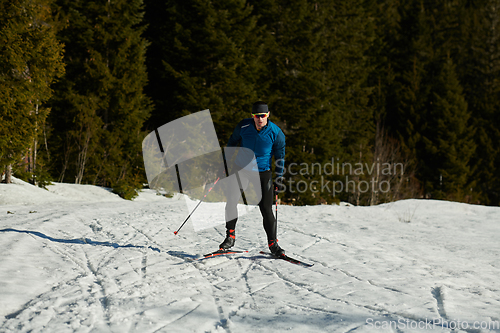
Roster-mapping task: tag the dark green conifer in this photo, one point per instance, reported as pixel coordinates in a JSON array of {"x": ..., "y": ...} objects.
[
  {"x": 100, "y": 108},
  {"x": 204, "y": 55},
  {"x": 409, "y": 96},
  {"x": 480, "y": 72},
  {"x": 317, "y": 68},
  {"x": 448, "y": 139},
  {"x": 30, "y": 61}
]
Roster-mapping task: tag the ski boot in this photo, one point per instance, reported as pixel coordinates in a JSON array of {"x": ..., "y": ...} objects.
[
  {"x": 229, "y": 241},
  {"x": 275, "y": 248}
]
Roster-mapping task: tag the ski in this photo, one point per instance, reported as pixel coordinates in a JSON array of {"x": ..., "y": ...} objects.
[
  {"x": 289, "y": 259},
  {"x": 220, "y": 253}
]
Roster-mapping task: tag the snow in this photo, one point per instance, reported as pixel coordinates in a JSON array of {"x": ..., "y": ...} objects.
[{"x": 77, "y": 258}]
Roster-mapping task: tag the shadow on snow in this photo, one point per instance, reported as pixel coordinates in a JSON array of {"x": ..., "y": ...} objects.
[{"x": 81, "y": 241}]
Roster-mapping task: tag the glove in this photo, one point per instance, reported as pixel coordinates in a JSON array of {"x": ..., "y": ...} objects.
[{"x": 279, "y": 184}]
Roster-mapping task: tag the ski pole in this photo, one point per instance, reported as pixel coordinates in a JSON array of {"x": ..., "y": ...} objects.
[
  {"x": 187, "y": 218},
  {"x": 276, "y": 190}
]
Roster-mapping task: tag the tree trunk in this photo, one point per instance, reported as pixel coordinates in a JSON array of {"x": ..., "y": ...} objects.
[
  {"x": 35, "y": 143},
  {"x": 8, "y": 174},
  {"x": 82, "y": 158}
]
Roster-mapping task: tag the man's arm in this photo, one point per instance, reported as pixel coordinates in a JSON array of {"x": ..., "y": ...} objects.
[
  {"x": 279, "y": 154},
  {"x": 234, "y": 141},
  {"x": 235, "y": 138}
]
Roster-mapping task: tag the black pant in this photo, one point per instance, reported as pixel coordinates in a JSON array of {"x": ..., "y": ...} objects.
[{"x": 265, "y": 206}]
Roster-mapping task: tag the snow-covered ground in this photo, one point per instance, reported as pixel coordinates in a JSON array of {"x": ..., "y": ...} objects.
[{"x": 77, "y": 258}]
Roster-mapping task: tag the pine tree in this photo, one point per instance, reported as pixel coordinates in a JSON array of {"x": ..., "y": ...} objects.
[
  {"x": 204, "y": 55},
  {"x": 382, "y": 51},
  {"x": 480, "y": 72},
  {"x": 448, "y": 139},
  {"x": 354, "y": 27},
  {"x": 30, "y": 61},
  {"x": 384, "y": 79},
  {"x": 409, "y": 97},
  {"x": 101, "y": 108},
  {"x": 295, "y": 58},
  {"x": 428, "y": 33},
  {"x": 317, "y": 68}
]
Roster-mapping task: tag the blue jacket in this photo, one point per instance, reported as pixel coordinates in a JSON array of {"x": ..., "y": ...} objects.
[{"x": 266, "y": 143}]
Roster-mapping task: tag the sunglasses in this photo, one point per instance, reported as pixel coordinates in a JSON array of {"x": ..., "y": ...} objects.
[{"x": 261, "y": 115}]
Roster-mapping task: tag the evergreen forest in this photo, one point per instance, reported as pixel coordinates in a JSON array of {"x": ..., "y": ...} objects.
[{"x": 379, "y": 100}]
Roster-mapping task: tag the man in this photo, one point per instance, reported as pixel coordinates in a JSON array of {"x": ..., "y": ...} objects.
[{"x": 266, "y": 140}]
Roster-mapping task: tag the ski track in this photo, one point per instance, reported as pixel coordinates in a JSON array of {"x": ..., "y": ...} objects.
[
  {"x": 438, "y": 295},
  {"x": 137, "y": 289}
]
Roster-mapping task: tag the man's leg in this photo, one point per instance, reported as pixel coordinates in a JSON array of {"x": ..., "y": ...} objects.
[
  {"x": 233, "y": 195},
  {"x": 266, "y": 209}
]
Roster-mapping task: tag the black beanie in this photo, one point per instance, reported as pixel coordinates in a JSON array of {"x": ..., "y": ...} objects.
[{"x": 259, "y": 107}]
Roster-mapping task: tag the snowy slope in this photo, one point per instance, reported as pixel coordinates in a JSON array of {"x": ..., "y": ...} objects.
[{"x": 77, "y": 258}]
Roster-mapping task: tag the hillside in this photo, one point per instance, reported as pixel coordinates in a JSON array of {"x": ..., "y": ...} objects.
[{"x": 77, "y": 258}]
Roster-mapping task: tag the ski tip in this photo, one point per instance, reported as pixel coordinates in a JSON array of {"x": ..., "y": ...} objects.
[{"x": 176, "y": 232}]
